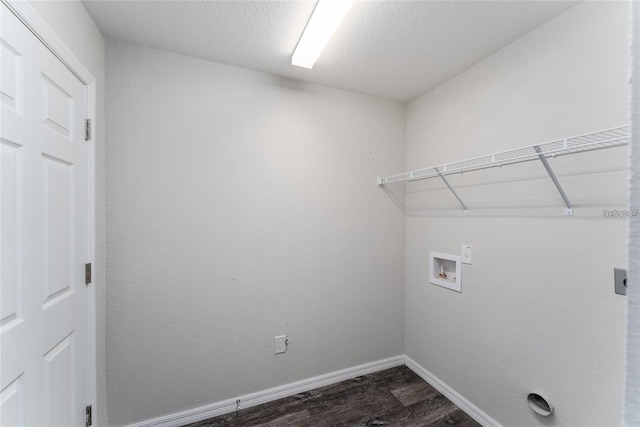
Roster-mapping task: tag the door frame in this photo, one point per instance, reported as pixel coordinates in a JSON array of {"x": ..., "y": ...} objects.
[{"x": 34, "y": 23}]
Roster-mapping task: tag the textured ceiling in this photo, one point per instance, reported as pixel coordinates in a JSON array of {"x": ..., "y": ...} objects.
[{"x": 391, "y": 49}]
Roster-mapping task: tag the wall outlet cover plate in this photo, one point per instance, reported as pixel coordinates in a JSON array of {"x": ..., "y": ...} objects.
[
  {"x": 620, "y": 281},
  {"x": 466, "y": 254},
  {"x": 281, "y": 344}
]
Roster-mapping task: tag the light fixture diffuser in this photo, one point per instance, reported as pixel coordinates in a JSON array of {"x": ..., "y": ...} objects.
[{"x": 324, "y": 21}]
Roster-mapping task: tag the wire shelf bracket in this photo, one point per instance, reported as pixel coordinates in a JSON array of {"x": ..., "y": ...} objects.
[
  {"x": 466, "y": 210},
  {"x": 608, "y": 138},
  {"x": 552, "y": 175}
]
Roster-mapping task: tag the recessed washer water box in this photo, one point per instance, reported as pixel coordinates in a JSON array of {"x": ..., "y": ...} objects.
[{"x": 444, "y": 270}]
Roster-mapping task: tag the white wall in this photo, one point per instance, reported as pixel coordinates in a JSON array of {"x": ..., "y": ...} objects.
[
  {"x": 241, "y": 206},
  {"x": 632, "y": 384},
  {"x": 72, "y": 24},
  {"x": 537, "y": 310}
]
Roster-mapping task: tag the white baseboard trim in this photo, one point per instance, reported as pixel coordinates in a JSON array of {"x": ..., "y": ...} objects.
[
  {"x": 227, "y": 406},
  {"x": 258, "y": 398},
  {"x": 462, "y": 403}
]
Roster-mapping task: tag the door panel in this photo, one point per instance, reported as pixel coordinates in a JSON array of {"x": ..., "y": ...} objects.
[
  {"x": 57, "y": 217},
  {"x": 57, "y": 108},
  {"x": 44, "y": 235},
  {"x": 10, "y": 94},
  {"x": 58, "y": 374},
  {"x": 11, "y": 250},
  {"x": 11, "y": 401}
]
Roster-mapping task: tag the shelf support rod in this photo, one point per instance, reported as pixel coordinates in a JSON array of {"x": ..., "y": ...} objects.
[
  {"x": 466, "y": 211},
  {"x": 552, "y": 175}
]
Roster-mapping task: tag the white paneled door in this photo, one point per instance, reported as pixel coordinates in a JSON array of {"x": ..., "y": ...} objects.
[{"x": 43, "y": 319}]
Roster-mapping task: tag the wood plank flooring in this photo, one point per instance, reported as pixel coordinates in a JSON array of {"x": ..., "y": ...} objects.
[{"x": 393, "y": 397}]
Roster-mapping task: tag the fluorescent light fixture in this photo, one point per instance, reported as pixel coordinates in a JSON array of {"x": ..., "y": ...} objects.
[{"x": 324, "y": 20}]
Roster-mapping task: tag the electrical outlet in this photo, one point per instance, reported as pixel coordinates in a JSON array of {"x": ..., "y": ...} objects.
[
  {"x": 620, "y": 281},
  {"x": 466, "y": 254},
  {"x": 281, "y": 344}
]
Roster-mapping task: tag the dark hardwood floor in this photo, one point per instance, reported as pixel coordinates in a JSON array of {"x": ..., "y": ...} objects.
[{"x": 393, "y": 397}]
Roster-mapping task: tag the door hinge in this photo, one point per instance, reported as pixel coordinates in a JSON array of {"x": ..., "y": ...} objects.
[
  {"x": 88, "y": 416},
  {"x": 87, "y": 274},
  {"x": 87, "y": 129}
]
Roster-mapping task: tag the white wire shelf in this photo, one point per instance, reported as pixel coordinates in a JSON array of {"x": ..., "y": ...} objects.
[{"x": 607, "y": 138}]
